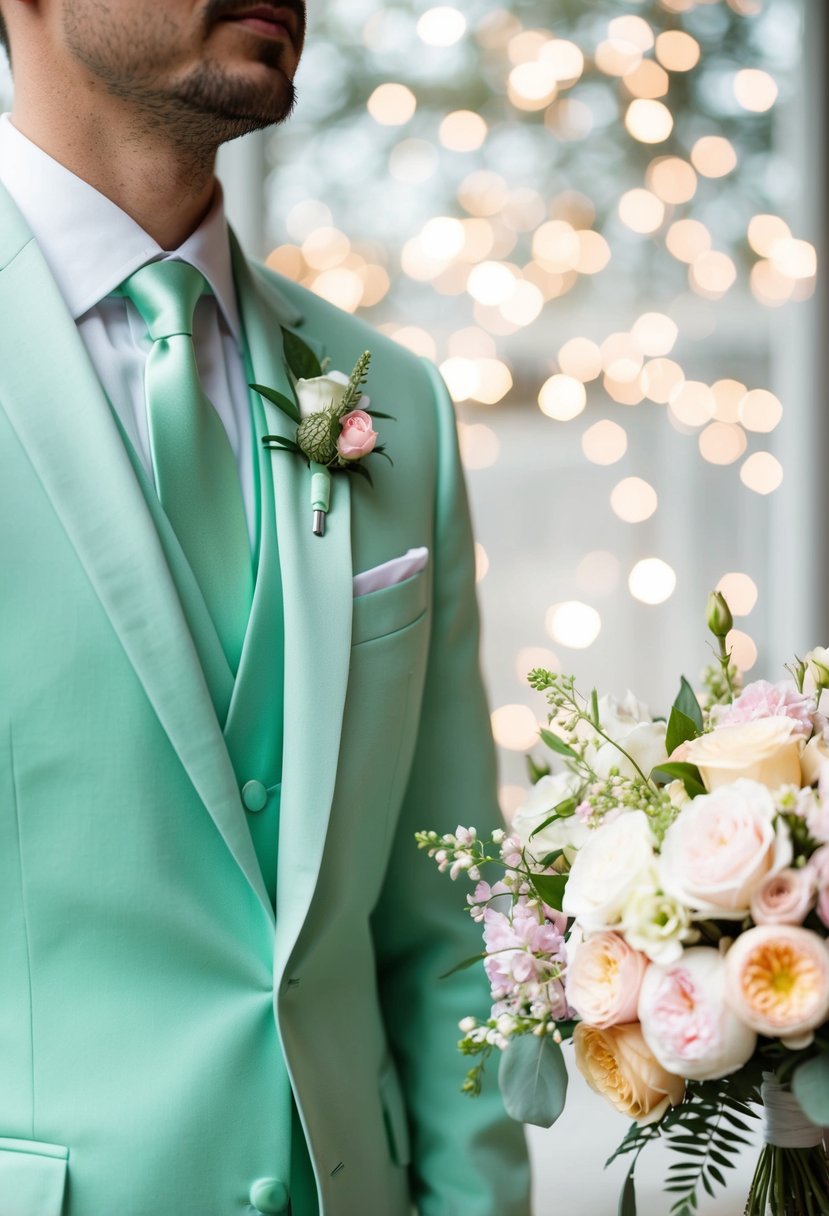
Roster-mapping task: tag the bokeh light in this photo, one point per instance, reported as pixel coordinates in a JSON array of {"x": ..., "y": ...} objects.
[
  {"x": 652, "y": 581},
  {"x": 740, "y": 590},
  {"x": 514, "y": 727},
  {"x": 633, "y": 500},
  {"x": 573, "y": 624}
]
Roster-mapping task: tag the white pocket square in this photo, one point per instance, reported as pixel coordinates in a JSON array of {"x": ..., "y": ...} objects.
[{"x": 395, "y": 571}]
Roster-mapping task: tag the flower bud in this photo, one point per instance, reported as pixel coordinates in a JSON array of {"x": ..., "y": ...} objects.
[{"x": 720, "y": 620}]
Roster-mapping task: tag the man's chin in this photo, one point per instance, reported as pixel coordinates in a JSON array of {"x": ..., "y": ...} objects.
[{"x": 241, "y": 101}]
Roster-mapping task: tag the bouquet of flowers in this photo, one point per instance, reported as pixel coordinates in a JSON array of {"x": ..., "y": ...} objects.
[{"x": 662, "y": 900}]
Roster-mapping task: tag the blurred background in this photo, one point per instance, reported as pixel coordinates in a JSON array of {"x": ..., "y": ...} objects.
[{"x": 603, "y": 220}]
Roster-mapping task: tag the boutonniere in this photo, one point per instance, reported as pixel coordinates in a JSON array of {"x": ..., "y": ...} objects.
[{"x": 335, "y": 431}]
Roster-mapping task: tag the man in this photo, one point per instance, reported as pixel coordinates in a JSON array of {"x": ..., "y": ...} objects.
[{"x": 219, "y": 951}]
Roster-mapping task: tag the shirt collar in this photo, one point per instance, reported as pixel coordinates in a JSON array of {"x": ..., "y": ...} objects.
[{"x": 89, "y": 244}]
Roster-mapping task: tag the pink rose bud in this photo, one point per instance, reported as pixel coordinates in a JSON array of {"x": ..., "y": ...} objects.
[
  {"x": 357, "y": 437},
  {"x": 784, "y": 898}
]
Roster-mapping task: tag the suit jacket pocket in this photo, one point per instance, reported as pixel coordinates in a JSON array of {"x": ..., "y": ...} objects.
[
  {"x": 394, "y": 1115},
  {"x": 390, "y": 609},
  {"x": 32, "y": 1177}
]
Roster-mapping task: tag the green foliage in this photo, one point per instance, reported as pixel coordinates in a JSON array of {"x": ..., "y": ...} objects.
[
  {"x": 707, "y": 1131},
  {"x": 533, "y": 1080},
  {"x": 810, "y": 1085},
  {"x": 686, "y": 703},
  {"x": 688, "y": 774},
  {"x": 536, "y": 771},
  {"x": 556, "y": 744},
  {"x": 278, "y": 399},
  {"x": 301, "y": 360},
  {"x": 681, "y": 728},
  {"x": 550, "y": 888}
]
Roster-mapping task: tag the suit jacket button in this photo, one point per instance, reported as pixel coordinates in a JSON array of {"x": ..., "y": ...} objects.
[
  {"x": 254, "y": 796},
  {"x": 270, "y": 1197}
]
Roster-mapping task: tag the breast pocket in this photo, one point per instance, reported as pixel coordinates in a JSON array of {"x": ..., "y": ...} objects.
[
  {"x": 32, "y": 1177},
  {"x": 389, "y": 610}
]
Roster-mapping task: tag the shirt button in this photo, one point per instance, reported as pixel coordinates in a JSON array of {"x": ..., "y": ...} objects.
[
  {"x": 270, "y": 1196},
  {"x": 254, "y": 796}
]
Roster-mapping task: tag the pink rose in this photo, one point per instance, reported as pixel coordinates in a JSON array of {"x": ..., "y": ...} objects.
[
  {"x": 784, "y": 898},
  {"x": 686, "y": 1021},
  {"x": 357, "y": 437},
  {"x": 603, "y": 980},
  {"x": 777, "y": 980},
  {"x": 721, "y": 847},
  {"x": 764, "y": 700}
]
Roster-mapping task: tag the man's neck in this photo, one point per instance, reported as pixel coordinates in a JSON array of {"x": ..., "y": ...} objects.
[{"x": 165, "y": 190}]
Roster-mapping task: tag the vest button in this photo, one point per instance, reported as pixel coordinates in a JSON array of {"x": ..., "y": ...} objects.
[
  {"x": 255, "y": 797},
  {"x": 270, "y": 1197}
]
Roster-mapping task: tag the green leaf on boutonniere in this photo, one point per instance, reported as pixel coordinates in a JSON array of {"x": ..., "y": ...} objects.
[
  {"x": 281, "y": 442},
  {"x": 379, "y": 414},
  {"x": 279, "y": 400},
  {"x": 533, "y": 1080},
  {"x": 300, "y": 358},
  {"x": 356, "y": 466}
]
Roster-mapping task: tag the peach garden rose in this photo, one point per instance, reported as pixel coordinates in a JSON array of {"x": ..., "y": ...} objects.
[
  {"x": 618, "y": 1064},
  {"x": 604, "y": 976},
  {"x": 777, "y": 980}
]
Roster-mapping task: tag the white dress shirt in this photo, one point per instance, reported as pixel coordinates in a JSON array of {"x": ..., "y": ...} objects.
[{"x": 90, "y": 245}]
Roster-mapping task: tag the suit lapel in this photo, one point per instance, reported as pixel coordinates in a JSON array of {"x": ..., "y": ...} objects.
[
  {"x": 56, "y": 405},
  {"x": 317, "y": 595}
]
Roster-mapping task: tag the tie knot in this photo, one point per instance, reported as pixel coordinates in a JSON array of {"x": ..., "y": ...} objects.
[{"x": 166, "y": 293}]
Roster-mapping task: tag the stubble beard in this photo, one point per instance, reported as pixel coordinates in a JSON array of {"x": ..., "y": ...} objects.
[{"x": 198, "y": 111}]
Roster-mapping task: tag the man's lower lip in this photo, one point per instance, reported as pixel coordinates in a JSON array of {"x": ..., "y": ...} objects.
[{"x": 259, "y": 25}]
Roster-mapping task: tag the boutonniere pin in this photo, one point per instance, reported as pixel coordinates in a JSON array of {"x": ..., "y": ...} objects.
[{"x": 335, "y": 431}]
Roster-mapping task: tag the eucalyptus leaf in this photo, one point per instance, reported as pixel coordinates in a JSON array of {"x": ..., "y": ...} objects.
[
  {"x": 556, "y": 744},
  {"x": 278, "y": 399},
  {"x": 810, "y": 1085},
  {"x": 300, "y": 358},
  {"x": 687, "y": 703},
  {"x": 533, "y": 1080},
  {"x": 681, "y": 728}
]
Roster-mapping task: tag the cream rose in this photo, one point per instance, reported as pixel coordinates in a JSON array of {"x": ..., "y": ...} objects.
[
  {"x": 721, "y": 847},
  {"x": 687, "y": 1022},
  {"x": 766, "y": 750},
  {"x": 616, "y": 860},
  {"x": 569, "y": 834},
  {"x": 777, "y": 980},
  {"x": 603, "y": 980},
  {"x": 618, "y": 1064}
]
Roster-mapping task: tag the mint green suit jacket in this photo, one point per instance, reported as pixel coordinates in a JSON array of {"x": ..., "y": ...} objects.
[{"x": 148, "y": 993}]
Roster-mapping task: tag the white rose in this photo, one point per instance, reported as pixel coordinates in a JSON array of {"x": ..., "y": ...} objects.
[
  {"x": 657, "y": 924},
  {"x": 686, "y": 1020},
  {"x": 617, "y": 859},
  {"x": 766, "y": 751},
  {"x": 719, "y": 849},
  {"x": 542, "y": 799},
  {"x": 321, "y": 392}
]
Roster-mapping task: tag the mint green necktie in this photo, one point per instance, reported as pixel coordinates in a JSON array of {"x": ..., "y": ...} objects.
[{"x": 195, "y": 471}]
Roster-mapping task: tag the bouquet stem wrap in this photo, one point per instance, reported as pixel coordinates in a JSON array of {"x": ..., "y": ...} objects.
[{"x": 792, "y": 1175}]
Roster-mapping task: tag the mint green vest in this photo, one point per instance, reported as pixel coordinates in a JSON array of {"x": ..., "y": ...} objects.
[{"x": 250, "y": 711}]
